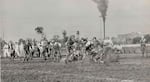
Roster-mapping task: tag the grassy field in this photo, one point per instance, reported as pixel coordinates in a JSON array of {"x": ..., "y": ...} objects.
[
  {"x": 130, "y": 68},
  {"x": 134, "y": 48}
]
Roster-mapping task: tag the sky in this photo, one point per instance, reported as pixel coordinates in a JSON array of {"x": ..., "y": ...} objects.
[{"x": 19, "y": 18}]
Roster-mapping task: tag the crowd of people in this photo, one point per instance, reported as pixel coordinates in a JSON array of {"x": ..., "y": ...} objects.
[{"x": 75, "y": 49}]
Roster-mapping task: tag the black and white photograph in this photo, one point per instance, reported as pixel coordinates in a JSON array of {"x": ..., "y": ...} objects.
[{"x": 74, "y": 40}]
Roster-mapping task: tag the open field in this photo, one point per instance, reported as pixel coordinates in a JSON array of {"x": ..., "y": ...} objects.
[
  {"x": 130, "y": 68},
  {"x": 134, "y": 48}
]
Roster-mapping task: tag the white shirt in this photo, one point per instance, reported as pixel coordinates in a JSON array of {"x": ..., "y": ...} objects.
[
  {"x": 88, "y": 43},
  {"x": 108, "y": 43}
]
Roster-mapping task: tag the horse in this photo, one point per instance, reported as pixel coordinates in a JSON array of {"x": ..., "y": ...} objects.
[
  {"x": 118, "y": 49},
  {"x": 101, "y": 53},
  {"x": 35, "y": 51},
  {"x": 57, "y": 51},
  {"x": 77, "y": 50},
  {"x": 44, "y": 49},
  {"x": 69, "y": 47}
]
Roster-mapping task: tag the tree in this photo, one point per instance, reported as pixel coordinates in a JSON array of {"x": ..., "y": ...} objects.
[
  {"x": 147, "y": 37},
  {"x": 136, "y": 40},
  {"x": 40, "y": 30}
]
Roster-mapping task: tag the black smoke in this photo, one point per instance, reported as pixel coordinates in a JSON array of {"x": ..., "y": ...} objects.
[{"x": 102, "y": 6}]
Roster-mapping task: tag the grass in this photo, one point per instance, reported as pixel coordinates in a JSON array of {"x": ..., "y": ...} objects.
[{"x": 83, "y": 71}]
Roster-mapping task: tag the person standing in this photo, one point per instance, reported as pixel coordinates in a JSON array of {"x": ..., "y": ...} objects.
[{"x": 143, "y": 45}]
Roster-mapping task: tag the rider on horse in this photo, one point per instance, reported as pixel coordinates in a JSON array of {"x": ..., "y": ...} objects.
[
  {"x": 70, "y": 46},
  {"x": 107, "y": 45}
]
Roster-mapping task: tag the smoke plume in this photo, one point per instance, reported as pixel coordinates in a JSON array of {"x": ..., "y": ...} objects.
[{"x": 102, "y": 6}]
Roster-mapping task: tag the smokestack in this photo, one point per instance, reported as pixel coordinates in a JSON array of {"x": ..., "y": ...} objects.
[{"x": 102, "y": 6}]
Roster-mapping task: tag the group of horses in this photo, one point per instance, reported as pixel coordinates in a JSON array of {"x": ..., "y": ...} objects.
[{"x": 75, "y": 50}]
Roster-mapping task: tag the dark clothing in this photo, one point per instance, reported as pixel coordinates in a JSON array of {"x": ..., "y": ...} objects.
[
  {"x": 70, "y": 45},
  {"x": 143, "y": 42},
  {"x": 27, "y": 48},
  {"x": 89, "y": 48},
  {"x": 45, "y": 49}
]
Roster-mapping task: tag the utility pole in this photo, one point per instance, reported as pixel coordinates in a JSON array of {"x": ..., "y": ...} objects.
[{"x": 104, "y": 26}]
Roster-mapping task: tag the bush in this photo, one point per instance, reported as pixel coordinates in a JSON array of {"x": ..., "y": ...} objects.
[
  {"x": 136, "y": 40},
  {"x": 147, "y": 37}
]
